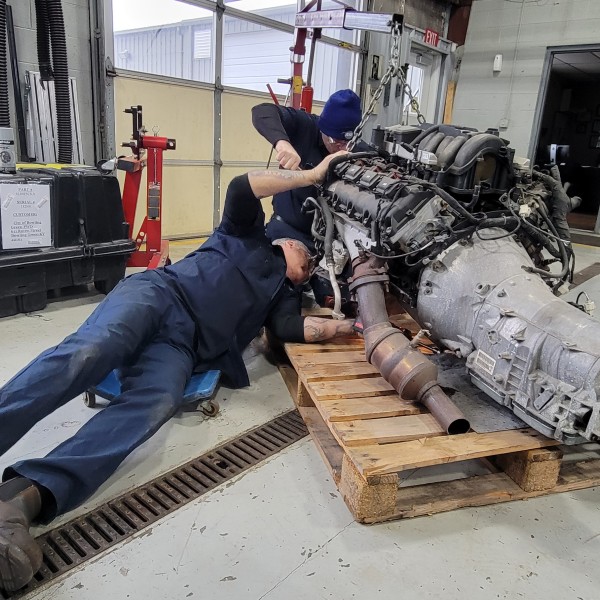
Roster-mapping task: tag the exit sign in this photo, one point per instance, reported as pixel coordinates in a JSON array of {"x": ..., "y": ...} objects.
[{"x": 432, "y": 37}]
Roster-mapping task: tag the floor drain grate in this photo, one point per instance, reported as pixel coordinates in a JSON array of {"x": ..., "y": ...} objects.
[{"x": 87, "y": 536}]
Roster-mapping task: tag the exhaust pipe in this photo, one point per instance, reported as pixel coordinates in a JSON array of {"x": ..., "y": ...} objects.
[{"x": 411, "y": 374}]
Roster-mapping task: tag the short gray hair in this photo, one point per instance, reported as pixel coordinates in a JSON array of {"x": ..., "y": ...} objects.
[
  {"x": 312, "y": 259},
  {"x": 282, "y": 241}
]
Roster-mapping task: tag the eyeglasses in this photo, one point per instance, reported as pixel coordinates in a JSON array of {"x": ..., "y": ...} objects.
[{"x": 334, "y": 142}]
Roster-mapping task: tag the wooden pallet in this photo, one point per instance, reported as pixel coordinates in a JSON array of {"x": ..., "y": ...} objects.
[{"x": 373, "y": 441}]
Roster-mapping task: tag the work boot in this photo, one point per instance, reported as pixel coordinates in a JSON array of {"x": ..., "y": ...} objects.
[{"x": 20, "y": 556}]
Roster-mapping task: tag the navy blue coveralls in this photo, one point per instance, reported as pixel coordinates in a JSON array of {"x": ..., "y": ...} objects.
[
  {"x": 156, "y": 327},
  {"x": 302, "y": 131}
]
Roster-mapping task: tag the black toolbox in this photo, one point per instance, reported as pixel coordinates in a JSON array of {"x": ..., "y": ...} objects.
[{"x": 59, "y": 227}]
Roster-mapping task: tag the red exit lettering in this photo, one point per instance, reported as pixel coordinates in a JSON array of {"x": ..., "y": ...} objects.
[{"x": 432, "y": 37}]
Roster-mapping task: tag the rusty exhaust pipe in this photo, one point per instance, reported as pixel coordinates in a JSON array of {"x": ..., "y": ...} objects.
[{"x": 411, "y": 374}]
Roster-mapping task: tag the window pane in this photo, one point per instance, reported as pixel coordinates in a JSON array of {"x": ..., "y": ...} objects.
[
  {"x": 283, "y": 11},
  {"x": 254, "y": 55},
  {"x": 414, "y": 78},
  {"x": 334, "y": 68},
  {"x": 164, "y": 37}
]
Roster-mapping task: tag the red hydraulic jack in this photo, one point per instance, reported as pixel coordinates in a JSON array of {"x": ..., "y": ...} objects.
[{"x": 147, "y": 152}]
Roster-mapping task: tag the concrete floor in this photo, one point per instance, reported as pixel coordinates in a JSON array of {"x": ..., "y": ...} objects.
[{"x": 282, "y": 530}]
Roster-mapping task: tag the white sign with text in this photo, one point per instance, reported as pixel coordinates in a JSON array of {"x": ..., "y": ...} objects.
[{"x": 25, "y": 215}]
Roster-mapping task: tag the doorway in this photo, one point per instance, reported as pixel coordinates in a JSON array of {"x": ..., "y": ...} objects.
[
  {"x": 428, "y": 73},
  {"x": 567, "y": 128},
  {"x": 423, "y": 76}
]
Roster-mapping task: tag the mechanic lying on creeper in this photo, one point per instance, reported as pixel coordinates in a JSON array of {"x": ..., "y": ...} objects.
[{"x": 157, "y": 327}]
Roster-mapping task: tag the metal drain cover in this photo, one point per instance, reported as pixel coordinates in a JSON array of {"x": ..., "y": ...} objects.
[{"x": 87, "y": 536}]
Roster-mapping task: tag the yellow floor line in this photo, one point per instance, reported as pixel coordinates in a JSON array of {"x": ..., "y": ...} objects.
[{"x": 190, "y": 242}]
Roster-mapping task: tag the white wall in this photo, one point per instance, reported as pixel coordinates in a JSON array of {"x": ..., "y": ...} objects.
[
  {"x": 77, "y": 27},
  {"x": 521, "y": 32}
]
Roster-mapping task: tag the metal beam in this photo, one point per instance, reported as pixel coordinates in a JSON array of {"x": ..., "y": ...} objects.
[
  {"x": 343, "y": 18},
  {"x": 217, "y": 116},
  {"x": 165, "y": 79},
  {"x": 106, "y": 89},
  {"x": 371, "y": 21}
]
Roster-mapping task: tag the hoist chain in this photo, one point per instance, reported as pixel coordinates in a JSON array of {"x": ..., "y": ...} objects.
[
  {"x": 393, "y": 70},
  {"x": 414, "y": 103}
]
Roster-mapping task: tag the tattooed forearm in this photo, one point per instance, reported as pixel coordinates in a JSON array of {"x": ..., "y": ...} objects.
[
  {"x": 267, "y": 183},
  {"x": 317, "y": 330},
  {"x": 313, "y": 332},
  {"x": 342, "y": 327},
  {"x": 281, "y": 173}
]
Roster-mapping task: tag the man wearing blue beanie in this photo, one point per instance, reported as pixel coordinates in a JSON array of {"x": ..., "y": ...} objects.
[
  {"x": 341, "y": 114},
  {"x": 301, "y": 141}
]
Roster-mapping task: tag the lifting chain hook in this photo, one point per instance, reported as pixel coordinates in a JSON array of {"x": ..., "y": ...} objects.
[{"x": 393, "y": 70}]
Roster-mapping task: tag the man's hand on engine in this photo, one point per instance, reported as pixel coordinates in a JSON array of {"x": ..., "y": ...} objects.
[
  {"x": 320, "y": 171},
  {"x": 268, "y": 183},
  {"x": 286, "y": 156}
]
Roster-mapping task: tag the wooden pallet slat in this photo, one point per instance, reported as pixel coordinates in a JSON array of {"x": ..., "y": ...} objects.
[
  {"x": 388, "y": 430},
  {"x": 336, "y": 345},
  {"x": 344, "y": 372},
  {"x": 329, "y": 390},
  {"x": 375, "y": 407},
  {"x": 327, "y": 358},
  {"x": 391, "y": 458}
]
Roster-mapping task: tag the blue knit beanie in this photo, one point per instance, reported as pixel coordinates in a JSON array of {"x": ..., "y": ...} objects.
[{"x": 341, "y": 114}]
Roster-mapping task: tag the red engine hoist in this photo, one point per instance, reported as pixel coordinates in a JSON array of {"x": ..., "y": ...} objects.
[
  {"x": 147, "y": 153},
  {"x": 344, "y": 17}
]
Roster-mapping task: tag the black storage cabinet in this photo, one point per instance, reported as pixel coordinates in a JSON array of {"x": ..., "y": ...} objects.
[{"x": 90, "y": 239}]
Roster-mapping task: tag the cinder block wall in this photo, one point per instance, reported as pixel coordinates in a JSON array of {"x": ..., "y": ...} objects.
[
  {"x": 77, "y": 27},
  {"x": 521, "y": 33}
]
